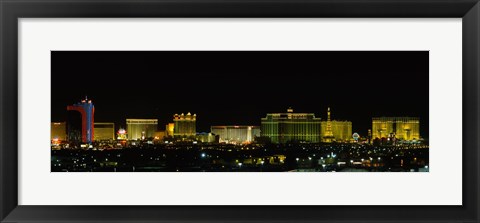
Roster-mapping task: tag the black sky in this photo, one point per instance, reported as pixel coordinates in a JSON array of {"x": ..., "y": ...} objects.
[{"x": 240, "y": 87}]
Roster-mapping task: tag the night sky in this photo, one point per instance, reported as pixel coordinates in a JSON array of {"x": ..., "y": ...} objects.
[{"x": 240, "y": 87}]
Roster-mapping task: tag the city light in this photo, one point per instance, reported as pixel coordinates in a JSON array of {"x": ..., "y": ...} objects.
[{"x": 179, "y": 147}]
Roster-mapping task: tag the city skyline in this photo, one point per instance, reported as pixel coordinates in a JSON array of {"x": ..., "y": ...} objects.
[
  {"x": 221, "y": 96},
  {"x": 240, "y": 111},
  {"x": 324, "y": 126}
]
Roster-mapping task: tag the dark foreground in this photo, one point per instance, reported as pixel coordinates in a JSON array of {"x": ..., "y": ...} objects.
[{"x": 247, "y": 158}]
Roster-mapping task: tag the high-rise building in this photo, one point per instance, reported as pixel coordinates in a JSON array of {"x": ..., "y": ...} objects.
[
  {"x": 403, "y": 128},
  {"x": 141, "y": 128},
  {"x": 169, "y": 128},
  {"x": 184, "y": 125},
  {"x": 288, "y": 127},
  {"x": 104, "y": 131},
  {"x": 333, "y": 130},
  {"x": 341, "y": 131},
  {"x": 236, "y": 134},
  {"x": 80, "y": 121},
  {"x": 58, "y": 131}
]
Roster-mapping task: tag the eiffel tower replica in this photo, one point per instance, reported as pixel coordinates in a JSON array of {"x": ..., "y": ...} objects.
[{"x": 328, "y": 136}]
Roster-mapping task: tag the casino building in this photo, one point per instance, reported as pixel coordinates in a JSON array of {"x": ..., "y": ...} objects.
[
  {"x": 80, "y": 121},
  {"x": 104, "y": 131},
  {"x": 169, "y": 128},
  {"x": 141, "y": 128},
  {"x": 336, "y": 131},
  {"x": 184, "y": 125},
  {"x": 291, "y": 127},
  {"x": 403, "y": 128},
  {"x": 236, "y": 134},
  {"x": 58, "y": 131}
]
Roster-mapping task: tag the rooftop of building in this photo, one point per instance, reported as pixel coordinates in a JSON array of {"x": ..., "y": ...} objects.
[
  {"x": 234, "y": 126},
  {"x": 396, "y": 118},
  {"x": 291, "y": 115},
  {"x": 139, "y": 121}
]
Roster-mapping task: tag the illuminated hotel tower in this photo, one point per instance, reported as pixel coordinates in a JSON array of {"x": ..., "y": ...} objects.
[
  {"x": 58, "y": 131},
  {"x": 334, "y": 130},
  {"x": 141, "y": 129},
  {"x": 328, "y": 135},
  {"x": 169, "y": 128},
  {"x": 85, "y": 128},
  {"x": 404, "y": 128},
  {"x": 291, "y": 127},
  {"x": 184, "y": 125}
]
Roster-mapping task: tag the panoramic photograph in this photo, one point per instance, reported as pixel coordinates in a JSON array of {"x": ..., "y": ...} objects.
[{"x": 239, "y": 111}]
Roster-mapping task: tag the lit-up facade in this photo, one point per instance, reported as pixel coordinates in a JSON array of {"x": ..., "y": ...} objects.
[
  {"x": 184, "y": 125},
  {"x": 235, "y": 134},
  {"x": 122, "y": 134},
  {"x": 204, "y": 137},
  {"x": 58, "y": 131},
  {"x": 403, "y": 128},
  {"x": 104, "y": 131},
  {"x": 288, "y": 127},
  {"x": 341, "y": 130},
  {"x": 141, "y": 128},
  {"x": 327, "y": 134},
  {"x": 84, "y": 132},
  {"x": 336, "y": 131},
  {"x": 169, "y": 128}
]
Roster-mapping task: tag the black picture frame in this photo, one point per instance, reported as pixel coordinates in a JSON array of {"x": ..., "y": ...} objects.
[{"x": 12, "y": 10}]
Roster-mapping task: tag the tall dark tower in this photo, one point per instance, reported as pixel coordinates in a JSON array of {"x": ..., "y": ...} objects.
[{"x": 80, "y": 123}]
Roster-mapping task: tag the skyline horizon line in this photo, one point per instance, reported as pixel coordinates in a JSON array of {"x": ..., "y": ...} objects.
[{"x": 290, "y": 110}]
